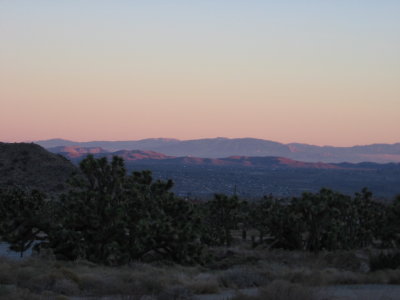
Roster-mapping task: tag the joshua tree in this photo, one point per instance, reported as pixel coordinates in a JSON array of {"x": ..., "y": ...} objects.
[
  {"x": 222, "y": 216},
  {"x": 22, "y": 218},
  {"x": 110, "y": 217}
]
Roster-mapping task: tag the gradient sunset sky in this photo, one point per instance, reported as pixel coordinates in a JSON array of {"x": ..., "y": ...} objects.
[{"x": 319, "y": 72}]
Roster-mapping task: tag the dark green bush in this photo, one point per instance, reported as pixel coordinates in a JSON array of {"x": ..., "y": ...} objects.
[{"x": 384, "y": 261}]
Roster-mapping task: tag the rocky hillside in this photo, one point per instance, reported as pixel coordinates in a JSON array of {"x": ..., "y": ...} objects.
[{"x": 30, "y": 166}]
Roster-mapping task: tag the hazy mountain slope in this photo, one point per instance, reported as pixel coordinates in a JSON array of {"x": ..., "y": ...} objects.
[
  {"x": 76, "y": 154},
  {"x": 224, "y": 147},
  {"x": 379, "y": 153},
  {"x": 255, "y": 176},
  {"x": 31, "y": 166},
  {"x": 71, "y": 152},
  {"x": 146, "y": 144}
]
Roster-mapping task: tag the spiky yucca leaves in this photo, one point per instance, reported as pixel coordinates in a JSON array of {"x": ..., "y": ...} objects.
[
  {"x": 110, "y": 217},
  {"x": 220, "y": 216},
  {"x": 161, "y": 223},
  {"x": 368, "y": 221},
  {"x": 325, "y": 220},
  {"x": 90, "y": 224},
  {"x": 336, "y": 221},
  {"x": 260, "y": 215},
  {"x": 282, "y": 223},
  {"x": 22, "y": 218},
  {"x": 323, "y": 216},
  {"x": 390, "y": 230}
]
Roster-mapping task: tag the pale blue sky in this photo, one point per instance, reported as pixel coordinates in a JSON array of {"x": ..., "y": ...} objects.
[{"x": 280, "y": 70}]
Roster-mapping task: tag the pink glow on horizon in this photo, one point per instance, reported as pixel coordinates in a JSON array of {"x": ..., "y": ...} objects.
[{"x": 316, "y": 73}]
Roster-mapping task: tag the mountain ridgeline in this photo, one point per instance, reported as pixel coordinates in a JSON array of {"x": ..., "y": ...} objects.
[
  {"x": 224, "y": 147},
  {"x": 31, "y": 166},
  {"x": 76, "y": 154},
  {"x": 250, "y": 177}
]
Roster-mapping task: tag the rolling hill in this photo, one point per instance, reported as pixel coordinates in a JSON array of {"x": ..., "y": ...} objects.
[
  {"x": 254, "y": 176},
  {"x": 76, "y": 154},
  {"x": 224, "y": 147},
  {"x": 29, "y": 166}
]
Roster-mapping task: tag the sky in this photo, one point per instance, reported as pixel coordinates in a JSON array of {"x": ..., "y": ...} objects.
[{"x": 317, "y": 72}]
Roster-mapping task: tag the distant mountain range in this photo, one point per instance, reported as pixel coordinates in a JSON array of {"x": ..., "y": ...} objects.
[
  {"x": 251, "y": 176},
  {"x": 131, "y": 157},
  {"x": 224, "y": 147},
  {"x": 31, "y": 166}
]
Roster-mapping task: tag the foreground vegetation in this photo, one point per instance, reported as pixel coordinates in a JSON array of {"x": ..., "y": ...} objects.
[
  {"x": 109, "y": 218},
  {"x": 237, "y": 269}
]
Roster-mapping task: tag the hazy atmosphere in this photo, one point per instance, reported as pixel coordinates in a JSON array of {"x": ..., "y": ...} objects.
[
  {"x": 200, "y": 150},
  {"x": 319, "y": 72}
]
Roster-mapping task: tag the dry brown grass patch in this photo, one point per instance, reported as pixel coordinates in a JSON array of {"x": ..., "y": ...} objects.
[{"x": 204, "y": 283}]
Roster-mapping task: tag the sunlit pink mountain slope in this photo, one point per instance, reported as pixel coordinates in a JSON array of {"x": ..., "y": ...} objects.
[
  {"x": 76, "y": 154},
  {"x": 225, "y": 147}
]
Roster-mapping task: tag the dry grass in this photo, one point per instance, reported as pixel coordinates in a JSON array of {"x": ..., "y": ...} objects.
[
  {"x": 204, "y": 283},
  {"x": 242, "y": 277},
  {"x": 176, "y": 293},
  {"x": 37, "y": 278},
  {"x": 280, "y": 290},
  {"x": 283, "y": 290}
]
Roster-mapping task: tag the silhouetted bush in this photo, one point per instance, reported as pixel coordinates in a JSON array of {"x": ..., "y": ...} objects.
[{"x": 382, "y": 261}]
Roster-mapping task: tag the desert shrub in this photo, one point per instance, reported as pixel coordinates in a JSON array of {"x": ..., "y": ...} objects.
[
  {"x": 176, "y": 293},
  {"x": 149, "y": 285},
  {"x": 122, "y": 281},
  {"x": 306, "y": 276},
  {"x": 280, "y": 290},
  {"x": 20, "y": 294},
  {"x": 66, "y": 287},
  {"x": 144, "y": 278},
  {"x": 54, "y": 281},
  {"x": 25, "y": 273},
  {"x": 4, "y": 291},
  {"x": 70, "y": 275},
  {"x": 283, "y": 290},
  {"x": 224, "y": 258},
  {"x": 204, "y": 284},
  {"x": 204, "y": 287},
  {"x": 240, "y": 296},
  {"x": 385, "y": 261},
  {"x": 241, "y": 278},
  {"x": 393, "y": 276},
  {"x": 7, "y": 274},
  {"x": 98, "y": 283},
  {"x": 342, "y": 260},
  {"x": 387, "y": 276}
]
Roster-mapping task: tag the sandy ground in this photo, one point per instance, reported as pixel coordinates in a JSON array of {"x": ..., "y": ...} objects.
[
  {"x": 359, "y": 292},
  {"x": 337, "y": 292}
]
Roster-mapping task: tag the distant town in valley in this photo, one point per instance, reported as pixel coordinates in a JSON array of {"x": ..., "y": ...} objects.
[{"x": 234, "y": 169}]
